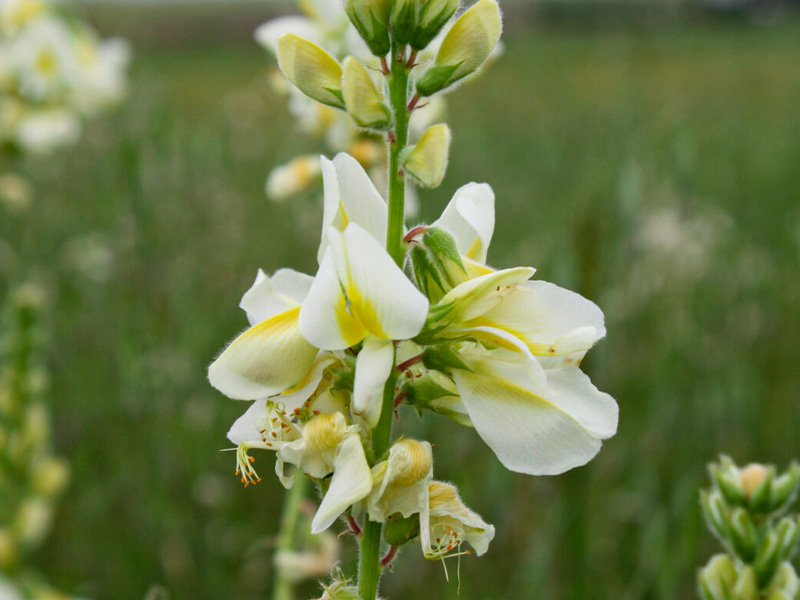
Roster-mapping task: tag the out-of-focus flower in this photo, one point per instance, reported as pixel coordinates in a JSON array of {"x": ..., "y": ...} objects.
[
  {"x": 54, "y": 72},
  {"x": 16, "y": 195}
]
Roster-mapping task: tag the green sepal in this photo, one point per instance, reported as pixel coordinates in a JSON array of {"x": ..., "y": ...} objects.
[
  {"x": 788, "y": 530},
  {"x": 746, "y": 587},
  {"x": 442, "y": 246},
  {"x": 379, "y": 43},
  {"x": 424, "y": 390},
  {"x": 400, "y": 530},
  {"x": 435, "y": 79},
  {"x": 425, "y": 272},
  {"x": 442, "y": 357},
  {"x": 715, "y": 513},
  {"x": 337, "y": 93},
  {"x": 404, "y": 22}
]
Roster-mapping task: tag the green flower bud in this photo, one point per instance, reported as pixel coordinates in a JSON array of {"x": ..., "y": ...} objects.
[
  {"x": 786, "y": 581},
  {"x": 743, "y": 535},
  {"x": 426, "y": 162},
  {"x": 312, "y": 70},
  {"x": 364, "y": 102},
  {"x": 746, "y": 587},
  {"x": 371, "y": 19},
  {"x": 717, "y": 578},
  {"x": 785, "y": 487},
  {"x": 761, "y": 496},
  {"x": 464, "y": 49},
  {"x": 768, "y": 559},
  {"x": 417, "y": 22},
  {"x": 788, "y": 534},
  {"x": 437, "y": 264},
  {"x": 400, "y": 530},
  {"x": 727, "y": 479},
  {"x": 715, "y": 513}
]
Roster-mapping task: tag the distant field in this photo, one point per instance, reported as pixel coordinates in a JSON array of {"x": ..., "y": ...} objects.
[{"x": 654, "y": 169}]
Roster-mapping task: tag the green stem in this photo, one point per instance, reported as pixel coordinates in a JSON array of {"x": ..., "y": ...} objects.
[
  {"x": 398, "y": 90},
  {"x": 286, "y": 537},
  {"x": 369, "y": 568}
]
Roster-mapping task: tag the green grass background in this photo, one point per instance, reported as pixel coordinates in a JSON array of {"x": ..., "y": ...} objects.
[{"x": 587, "y": 135}]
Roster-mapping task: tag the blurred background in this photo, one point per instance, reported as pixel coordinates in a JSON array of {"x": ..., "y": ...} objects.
[{"x": 644, "y": 153}]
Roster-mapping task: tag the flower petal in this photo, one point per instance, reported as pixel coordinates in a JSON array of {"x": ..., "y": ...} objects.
[
  {"x": 549, "y": 319},
  {"x": 246, "y": 428},
  {"x": 476, "y": 296},
  {"x": 529, "y": 425},
  {"x": 264, "y": 360},
  {"x": 297, "y": 395},
  {"x": 269, "y": 296},
  {"x": 267, "y": 34},
  {"x": 469, "y": 217},
  {"x": 374, "y": 364},
  {"x": 369, "y": 293},
  {"x": 350, "y": 197},
  {"x": 351, "y": 482},
  {"x": 324, "y": 317}
]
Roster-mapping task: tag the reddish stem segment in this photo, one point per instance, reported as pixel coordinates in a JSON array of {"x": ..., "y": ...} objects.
[
  {"x": 354, "y": 527},
  {"x": 389, "y": 557},
  {"x": 385, "y": 66},
  {"x": 409, "y": 363},
  {"x": 414, "y": 101},
  {"x": 414, "y": 233}
]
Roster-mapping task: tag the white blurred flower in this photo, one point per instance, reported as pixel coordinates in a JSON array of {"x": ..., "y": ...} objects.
[{"x": 44, "y": 59}]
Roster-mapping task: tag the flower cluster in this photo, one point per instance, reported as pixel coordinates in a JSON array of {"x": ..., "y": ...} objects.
[
  {"x": 54, "y": 72},
  {"x": 31, "y": 477},
  {"x": 398, "y": 316},
  {"x": 326, "y": 25},
  {"x": 746, "y": 509}
]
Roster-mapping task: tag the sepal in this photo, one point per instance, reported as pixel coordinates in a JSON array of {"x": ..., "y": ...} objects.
[{"x": 371, "y": 20}]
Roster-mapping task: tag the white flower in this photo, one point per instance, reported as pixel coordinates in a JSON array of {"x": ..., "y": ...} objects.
[
  {"x": 42, "y": 131},
  {"x": 271, "y": 356},
  {"x": 44, "y": 59},
  {"x": 448, "y": 523}
]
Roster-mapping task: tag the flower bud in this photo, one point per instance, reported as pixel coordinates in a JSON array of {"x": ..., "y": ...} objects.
[
  {"x": 371, "y": 19},
  {"x": 412, "y": 462},
  {"x": 784, "y": 488},
  {"x": 728, "y": 480},
  {"x": 426, "y": 162},
  {"x": 715, "y": 513},
  {"x": 788, "y": 534},
  {"x": 417, "y": 22},
  {"x": 717, "y": 578},
  {"x": 33, "y": 520},
  {"x": 743, "y": 535},
  {"x": 464, "y": 49},
  {"x": 746, "y": 587},
  {"x": 757, "y": 483},
  {"x": 293, "y": 178},
  {"x": 324, "y": 432},
  {"x": 786, "y": 581},
  {"x": 364, "y": 102},
  {"x": 768, "y": 559},
  {"x": 436, "y": 263},
  {"x": 50, "y": 476},
  {"x": 312, "y": 70}
]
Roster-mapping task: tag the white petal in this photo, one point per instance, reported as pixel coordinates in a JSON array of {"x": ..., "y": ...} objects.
[
  {"x": 575, "y": 394},
  {"x": 476, "y": 296},
  {"x": 267, "y": 34},
  {"x": 247, "y": 427},
  {"x": 351, "y": 197},
  {"x": 264, "y": 360},
  {"x": 351, "y": 482},
  {"x": 470, "y": 218},
  {"x": 550, "y": 319},
  {"x": 297, "y": 395},
  {"x": 523, "y": 422},
  {"x": 374, "y": 364},
  {"x": 269, "y": 296},
  {"x": 324, "y": 317},
  {"x": 368, "y": 293}
]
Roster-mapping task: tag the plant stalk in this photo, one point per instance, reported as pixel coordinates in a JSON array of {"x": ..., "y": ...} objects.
[
  {"x": 369, "y": 568},
  {"x": 284, "y": 589}
]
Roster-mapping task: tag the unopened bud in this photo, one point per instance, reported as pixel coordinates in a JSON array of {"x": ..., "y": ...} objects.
[
  {"x": 751, "y": 477},
  {"x": 50, "y": 477},
  {"x": 717, "y": 578},
  {"x": 746, "y": 587},
  {"x": 788, "y": 534},
  {"x": 768, "y": 559},
  {"x": 426, "y": 162},
  {"x": 312, "y": 70},
  {"x": 417, "y": 22},
  {"x": 464, "y": 49},
  {"x": 324, "y": 432},
  {"x": 785, "y": 487},
  {"x": 364, "y": 102},
  {"x": 371, "y": 20},
  {"x": 437, "y": 264},
  {"x": 786, "y": 581},
  {"x": 293, "y": 178},
  {"x": 728, "y": 480},
  {"x": 743, "y": 535},
  {"x": 760, "y": 498}
]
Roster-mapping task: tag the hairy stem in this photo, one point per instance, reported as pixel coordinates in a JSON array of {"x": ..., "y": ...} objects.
[{"x": 286, "y": 537}]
